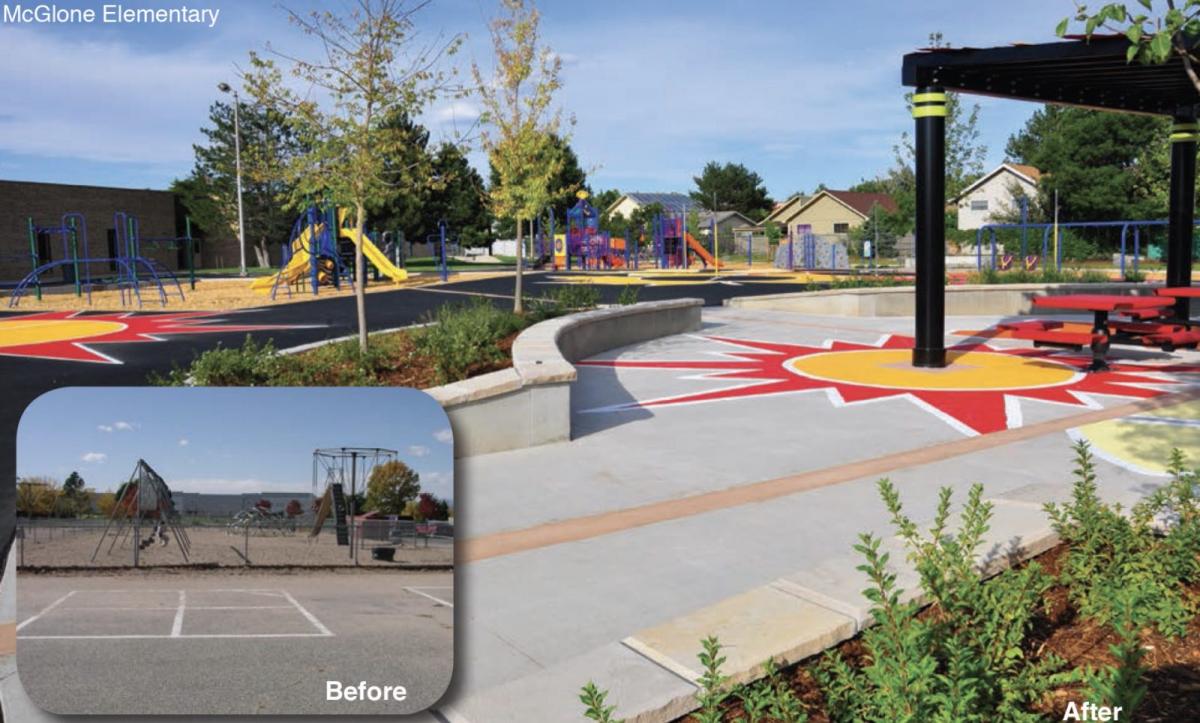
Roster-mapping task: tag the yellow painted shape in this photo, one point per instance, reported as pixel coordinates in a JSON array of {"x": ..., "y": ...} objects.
[
  {"x": 17, "y": 332},
  {"x": 1140, "y": 444},
  {"x": 967, "y": 371}
]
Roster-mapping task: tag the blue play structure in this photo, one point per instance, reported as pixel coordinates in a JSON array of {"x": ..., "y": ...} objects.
[
  {"x": 313, "y": 254},
  {"x": 585, "y": 241},
  {"x": 997, "y": 261},
  {"x": 444, "y": 246},
  {"x": 127, "y": 269}
]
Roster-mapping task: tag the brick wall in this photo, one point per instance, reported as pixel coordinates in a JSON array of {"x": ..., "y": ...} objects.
[{"x": 47, "y": 202}]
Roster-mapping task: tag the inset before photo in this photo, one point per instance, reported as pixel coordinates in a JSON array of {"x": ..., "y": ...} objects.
[{"x": 235, "y": 551}]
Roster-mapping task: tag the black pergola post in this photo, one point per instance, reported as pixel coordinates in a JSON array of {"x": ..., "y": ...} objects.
[
  {"x": 929, "y": 112},
  {"x": 1184, "y": 134}
]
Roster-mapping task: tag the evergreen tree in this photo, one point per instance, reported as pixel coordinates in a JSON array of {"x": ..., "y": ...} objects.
[{"x": 732, "y": 187}]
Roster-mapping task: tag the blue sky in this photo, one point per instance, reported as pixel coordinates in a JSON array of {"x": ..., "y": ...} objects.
[
  {"x": 803, "y": 92},
  {"x": 228, "y": 440}
]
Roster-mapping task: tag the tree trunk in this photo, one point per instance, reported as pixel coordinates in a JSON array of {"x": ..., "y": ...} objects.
[
  {"x": 518, "y": 302},
  {"x": 360, "y": 277},
  {"x": 263, "y": 253}
]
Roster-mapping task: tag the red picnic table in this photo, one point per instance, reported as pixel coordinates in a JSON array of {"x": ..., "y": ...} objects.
[{"x": 1103, "y": 333}]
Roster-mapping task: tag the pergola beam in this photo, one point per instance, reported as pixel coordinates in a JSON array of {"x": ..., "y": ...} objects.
[{"x": 1092, "y": 74}]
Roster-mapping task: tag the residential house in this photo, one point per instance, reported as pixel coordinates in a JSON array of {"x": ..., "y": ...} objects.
[
  {"x": 671, "y": 203},
  {"x": 996, "y": 194}
]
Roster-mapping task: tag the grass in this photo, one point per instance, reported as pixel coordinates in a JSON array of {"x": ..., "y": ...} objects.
[{"x": 230, "y": 271}]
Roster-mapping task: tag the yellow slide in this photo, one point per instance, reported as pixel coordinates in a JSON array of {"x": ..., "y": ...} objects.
[
  {"x": 702, "y": 252},
  {"x": 376, "y": 257},
  {"x": 299, "y": 266}
]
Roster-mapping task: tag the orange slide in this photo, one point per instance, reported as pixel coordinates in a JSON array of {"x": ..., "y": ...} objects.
[{"x": 702, "y": 252}]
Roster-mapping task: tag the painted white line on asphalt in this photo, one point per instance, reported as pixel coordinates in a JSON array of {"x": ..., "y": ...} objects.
[
  {"x": 311, "y": 618},
  {"x": 177, "y": 626},
  {"x": 174, "y": 609},
  {"x": 46, "y": 609},
  {"x": 417, "y": 591},
  {"x": 193, "y": 636}
]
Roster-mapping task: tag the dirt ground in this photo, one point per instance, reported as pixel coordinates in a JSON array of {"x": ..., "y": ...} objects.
[
  {"x": 213, "y": 546},
  {"x": 209, "y": 294}
]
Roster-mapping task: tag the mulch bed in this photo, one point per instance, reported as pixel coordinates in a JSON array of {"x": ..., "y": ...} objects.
[{"x": 1173, "y": 680}]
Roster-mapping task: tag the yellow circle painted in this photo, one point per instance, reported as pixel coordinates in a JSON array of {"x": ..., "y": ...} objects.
[
  {"x": 967, "y": 371},
  {"x": 18, "y": 332}
]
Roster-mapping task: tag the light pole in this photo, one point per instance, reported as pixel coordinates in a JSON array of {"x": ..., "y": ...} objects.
[{"x": 237, "y": 156}]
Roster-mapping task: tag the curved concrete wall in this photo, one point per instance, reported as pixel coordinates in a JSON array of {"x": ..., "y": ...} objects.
[
  {"x": 968, "y": 300},
  {"x": 530, "y": 404}
]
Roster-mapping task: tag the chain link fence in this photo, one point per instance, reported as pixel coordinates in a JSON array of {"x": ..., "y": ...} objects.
[{"x": 248, "y": 539}]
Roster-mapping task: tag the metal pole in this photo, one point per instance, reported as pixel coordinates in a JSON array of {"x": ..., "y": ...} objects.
[
  {"x": 353, "y": 491},
  {"x": 1057, "y": 246},
  {"x": 187, "y": 224},
  {"x": 929, "y": 112},
  {"x": 1184, "y": 134},
  {"x": 237, "y": 155},
  {"x": 442, "y": 234},
  {"x": 33, "y": 254}
]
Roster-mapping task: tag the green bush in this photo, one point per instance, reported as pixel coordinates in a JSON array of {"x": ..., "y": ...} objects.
[
  {"x": 964, "y": 661},
  {"x": 464, "y": 337},
  {"x": 629, "y": 295},
  {"x": 251, "y": 365},
  {"x": 1075, "y": 247},
  {"x": 565, "y": 299}
]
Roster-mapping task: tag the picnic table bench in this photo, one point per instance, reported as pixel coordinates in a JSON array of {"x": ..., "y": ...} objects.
[{"x": 1140, "y": 330}]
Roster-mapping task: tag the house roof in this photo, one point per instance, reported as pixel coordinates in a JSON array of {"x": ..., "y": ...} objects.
[
  {"x": 794, "y": 200},
  {"x": 1026, "y": 173},
  {"x": 860, "y": 202},
  {"x": 671, "y": 202},
  {"x": 723, "y": 216}
]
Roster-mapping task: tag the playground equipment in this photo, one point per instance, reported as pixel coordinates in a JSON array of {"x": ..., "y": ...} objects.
[
  {"x": 1051, "y": 234},
  {"x": 444, "y": 247},
  {"x": 584, "y": 241},
  {"x": 313, "y": 255},
  {"x": 336, "y": 468},
  {"x": 260, "y": 520},
  {"x": 672, "y": 241},
  {"x": 805, "y": 250},
  {"x": 130, "y": 269},
  {"x": 145, "y": 496}
]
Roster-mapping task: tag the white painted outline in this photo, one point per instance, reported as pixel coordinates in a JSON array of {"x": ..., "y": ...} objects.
[
  {"x": 46, "y": 609},
  {"x": 417, "y": 591},
  {"x": 180, "y": 611}
]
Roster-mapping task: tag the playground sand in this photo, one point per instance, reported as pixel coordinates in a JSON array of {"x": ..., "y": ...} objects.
[
  {"x": 215, "y": 294},
  {"x": 215, "y": 546}
]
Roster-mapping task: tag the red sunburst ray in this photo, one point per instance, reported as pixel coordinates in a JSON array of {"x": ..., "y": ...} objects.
[{"x": 971, "y": 411}]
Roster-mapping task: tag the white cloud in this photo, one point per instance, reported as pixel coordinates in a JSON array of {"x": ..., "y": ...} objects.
[
  {"x": 43, "y": 68},
  {"x": 184, "y": 442},
  {"x": 94, "y": 457},
  {"x": 123, "y": 426},
  {"x": 457, "y": 110},
  {"x": 105, "y": 427},
  {"x": 418, "y": 450},
  {"x": 445, "y": 436},
  {"x": 438, "y": 483}
]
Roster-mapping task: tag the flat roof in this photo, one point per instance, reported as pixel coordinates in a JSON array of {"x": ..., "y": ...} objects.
[{"x": 1089, "y": 73}]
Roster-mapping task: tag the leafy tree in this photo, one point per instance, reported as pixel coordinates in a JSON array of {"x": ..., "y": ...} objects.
[
  {"x": 73, "y": 485},
  {"x": 520, "y": 127},
  {"x": 431, "y": 507},
  {"x": 569, "y": 180},
  {"x": 209, "y": 193},
  {"x": 405, "y": 211},
  {"x": 37, "y": 496},
  {"x": 1153, "y": 38},
  {"x": 732, "y": 187},
  {"x": 965, "y": 151},
  {"x": 460, "y": 199},
  {"x": 371, "y": 65},
  {"x": 390, "y": 487},
  {"x": 1105, "y": 166}
]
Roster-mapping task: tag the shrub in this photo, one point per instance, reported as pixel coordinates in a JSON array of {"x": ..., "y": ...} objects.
[
  {"x": 629, "y": 295},
  {"x": 564, "y": 300},
  {"x": 966, "y": 659},
  {"x": 465, "y": 338}
]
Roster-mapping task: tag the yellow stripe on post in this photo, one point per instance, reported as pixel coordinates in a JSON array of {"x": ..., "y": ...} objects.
[
  {"x": 927, "y": 111},
  {"x": 1190, "y": 137},
  {"x": 929, "y": 98}
]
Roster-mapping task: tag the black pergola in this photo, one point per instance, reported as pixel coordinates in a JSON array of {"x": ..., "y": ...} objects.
[{"x": 1091, "y": 74}]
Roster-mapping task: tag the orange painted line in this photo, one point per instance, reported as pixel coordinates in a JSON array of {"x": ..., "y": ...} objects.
[{"x": 604, "y": 523}]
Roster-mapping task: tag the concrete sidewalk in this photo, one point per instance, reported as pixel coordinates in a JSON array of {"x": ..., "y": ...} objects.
[{"x": 627, "y": 607}]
